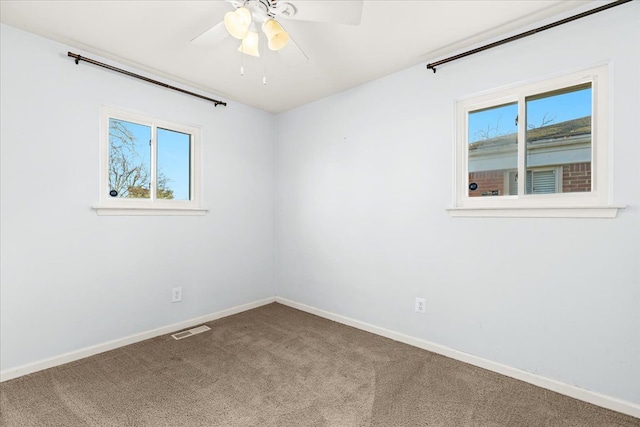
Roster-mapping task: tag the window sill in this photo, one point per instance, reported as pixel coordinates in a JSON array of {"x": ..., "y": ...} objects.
[
  {"x": 148, "y": 211},
  {"x": 541, "y": 212}
]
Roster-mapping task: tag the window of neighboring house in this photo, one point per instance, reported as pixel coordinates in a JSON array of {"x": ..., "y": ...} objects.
[
  {"x": 149, "y": 166},
  {"x": 539, "y": 181},
  {"x": 553, "y": 134}
]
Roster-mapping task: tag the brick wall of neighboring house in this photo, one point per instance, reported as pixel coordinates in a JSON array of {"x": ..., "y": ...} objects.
[
  {"x": 576, "y": 177},
  {"x": 487, "y": 181}
]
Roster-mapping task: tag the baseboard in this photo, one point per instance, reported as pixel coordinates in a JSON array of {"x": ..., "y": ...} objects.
[
  {"x": 30, "y": 368},
  {"x": 592, "y": 397}
]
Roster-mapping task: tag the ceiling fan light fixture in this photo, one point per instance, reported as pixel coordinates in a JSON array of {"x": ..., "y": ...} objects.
[
  {"x": 237, "y": 22},
  {"x": 249, "y": 44},
  {"x": 276, "y": 35}
]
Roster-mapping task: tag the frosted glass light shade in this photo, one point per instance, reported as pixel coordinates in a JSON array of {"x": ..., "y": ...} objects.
[
  {"x": 249, "y": 44},
  {"x": 245, "y": 14},
  {"x": 237, "y": 22},
  {"x": 277, "y": 36}
]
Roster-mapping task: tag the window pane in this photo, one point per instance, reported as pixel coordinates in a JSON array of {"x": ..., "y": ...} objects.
[
  {"x": 493, "y": 150},
  {"x": 541, "y": 181},
  {"x": 558, "y": 135},
  {"x": 174, "y": 165},
  {"x": 129, "y": 159}
]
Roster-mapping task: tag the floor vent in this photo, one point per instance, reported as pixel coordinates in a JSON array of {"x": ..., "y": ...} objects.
[{"x": 191, "y": 332}]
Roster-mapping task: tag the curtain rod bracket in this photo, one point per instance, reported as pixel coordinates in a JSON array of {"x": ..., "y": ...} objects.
[
  {"x": 431, "y": 67},
  {"x": 78, "y": 59}
]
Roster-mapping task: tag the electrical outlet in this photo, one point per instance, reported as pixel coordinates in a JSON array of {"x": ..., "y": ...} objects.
[
  {"x": 420, "y": 306},
  {"x": 176, "y": 294}
]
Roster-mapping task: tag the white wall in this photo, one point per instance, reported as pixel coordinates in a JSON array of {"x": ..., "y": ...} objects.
[
  {"x": 362, "y": 182},
  {"x": 72, "y": 279},
  {"x": 363, "y": 179}
]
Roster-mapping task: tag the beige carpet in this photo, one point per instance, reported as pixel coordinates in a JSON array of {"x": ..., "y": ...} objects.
[{"x": 276, "y": 366}]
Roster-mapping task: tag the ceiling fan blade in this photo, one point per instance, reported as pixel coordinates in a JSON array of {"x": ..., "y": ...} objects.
[
  {"x": 334, "y": 11},
  {"x": 292, "y": 55},
  {"x": 213, "y": 35}
]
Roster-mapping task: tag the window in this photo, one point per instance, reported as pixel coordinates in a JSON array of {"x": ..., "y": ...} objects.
[
  {"x": 539, "y": 181},
  {"x": 148, "y": 166},
  {"x": 535, "y": 150}
]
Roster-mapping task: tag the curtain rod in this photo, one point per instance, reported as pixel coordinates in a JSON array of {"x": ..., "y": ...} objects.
[
  {"x": 433, "y": 65},
  {"x": 79, "y": 58}
]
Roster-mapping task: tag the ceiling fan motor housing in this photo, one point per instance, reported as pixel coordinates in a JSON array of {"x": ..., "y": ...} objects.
[{"x": 261, "y": 10}]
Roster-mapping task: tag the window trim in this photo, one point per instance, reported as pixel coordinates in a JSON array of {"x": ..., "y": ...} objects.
[
  {"x": 122, "y": 206},
  {"x": 595, "y": 203}
]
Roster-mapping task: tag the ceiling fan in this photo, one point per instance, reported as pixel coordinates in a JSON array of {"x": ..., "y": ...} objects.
[{"x": 253, "y": 19}]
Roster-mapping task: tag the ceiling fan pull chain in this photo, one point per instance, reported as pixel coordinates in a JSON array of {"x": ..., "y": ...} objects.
[
  {"x": 242, "y": 63},
  {"x": 264, "y": 61}
]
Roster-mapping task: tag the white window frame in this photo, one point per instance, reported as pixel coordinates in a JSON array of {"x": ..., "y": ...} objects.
[
  {"x": 594, "y": 204},
  {"x": 124, "y": 206}
]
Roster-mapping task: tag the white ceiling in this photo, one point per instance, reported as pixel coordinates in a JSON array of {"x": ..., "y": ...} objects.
[{"x": 155, "y": 36}]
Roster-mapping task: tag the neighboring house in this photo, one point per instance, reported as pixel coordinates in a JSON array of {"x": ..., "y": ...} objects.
[{"x": 558, "y": 160}]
